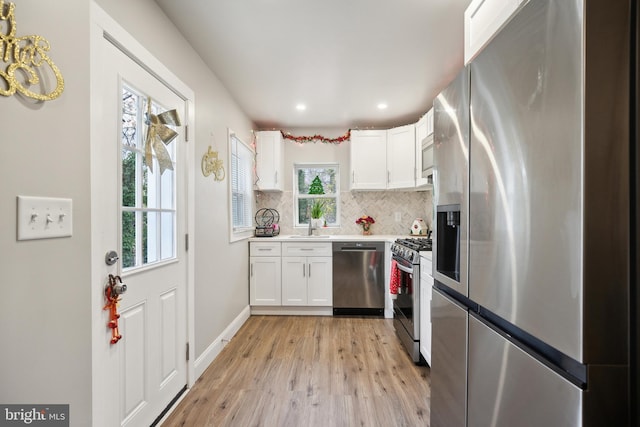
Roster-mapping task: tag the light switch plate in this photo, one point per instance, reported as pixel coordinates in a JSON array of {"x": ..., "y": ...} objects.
[{"x": 44, "y": 217}]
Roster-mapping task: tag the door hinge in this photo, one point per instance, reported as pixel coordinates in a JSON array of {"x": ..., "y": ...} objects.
[
  {"x": 186, "y": 133},
  {"x": 186, "y": 242},
  {"x": 187, "y": 352}
]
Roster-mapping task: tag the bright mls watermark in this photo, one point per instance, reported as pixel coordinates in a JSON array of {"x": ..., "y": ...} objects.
[{"x": 34, "y": 415}]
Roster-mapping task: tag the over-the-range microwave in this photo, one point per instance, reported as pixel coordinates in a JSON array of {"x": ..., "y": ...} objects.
[{"x": 427, "y": 158}]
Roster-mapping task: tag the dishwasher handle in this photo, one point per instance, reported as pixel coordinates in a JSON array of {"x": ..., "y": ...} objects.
[{"x": 358, "y": 249}]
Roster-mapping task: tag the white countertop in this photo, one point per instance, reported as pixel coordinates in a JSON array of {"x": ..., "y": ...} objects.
[{"x": 328, "y": 238}]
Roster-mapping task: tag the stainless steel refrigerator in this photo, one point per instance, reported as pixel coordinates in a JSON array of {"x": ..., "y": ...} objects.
[{"x": 533, "y": 245}]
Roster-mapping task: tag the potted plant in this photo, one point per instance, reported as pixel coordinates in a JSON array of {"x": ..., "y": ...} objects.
[{"x": 317, "y": 212}]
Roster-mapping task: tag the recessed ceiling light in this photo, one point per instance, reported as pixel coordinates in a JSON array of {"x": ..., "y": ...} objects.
[
  {"x": 382, "y": 106},
  {"x": 301, "y": 107}
]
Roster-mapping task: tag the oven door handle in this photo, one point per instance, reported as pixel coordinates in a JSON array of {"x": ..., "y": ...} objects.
[{"x": 403, "y": 268}]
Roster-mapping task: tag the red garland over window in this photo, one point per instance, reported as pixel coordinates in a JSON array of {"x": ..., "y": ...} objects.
[{"x": 316, "y": 138}]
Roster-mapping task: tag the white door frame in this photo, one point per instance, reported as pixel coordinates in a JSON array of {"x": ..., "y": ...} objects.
[{"x": 102, "y": 380}]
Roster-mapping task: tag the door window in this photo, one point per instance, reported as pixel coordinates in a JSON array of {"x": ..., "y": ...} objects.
[{"x": 148, "y": 198}]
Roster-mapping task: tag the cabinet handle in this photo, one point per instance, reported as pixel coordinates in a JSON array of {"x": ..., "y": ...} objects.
[
  {"x": 276, "y": 177},
  {"x": 303, "y": 274},
  {"x": 251, "y": 269},
  {"x": 264, "y": 249},
  {"x": 309, "y": 269},
  {"x": 388, "y": 177},
  {"x": 306, "y": 249}
]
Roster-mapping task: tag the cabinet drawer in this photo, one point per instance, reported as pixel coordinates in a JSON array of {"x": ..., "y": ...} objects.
[
  {"x": 306, "y": 249},
  {"x": 264, "y": 249}
]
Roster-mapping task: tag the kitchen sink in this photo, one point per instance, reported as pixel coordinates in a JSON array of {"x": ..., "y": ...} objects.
[{"x": 296, "y": 236}]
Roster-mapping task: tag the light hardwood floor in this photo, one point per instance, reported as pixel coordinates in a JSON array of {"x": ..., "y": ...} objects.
[{"x": 309, "y": 371}]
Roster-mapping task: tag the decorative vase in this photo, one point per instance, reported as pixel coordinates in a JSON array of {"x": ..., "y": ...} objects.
[{"x": 366, "y": 229}]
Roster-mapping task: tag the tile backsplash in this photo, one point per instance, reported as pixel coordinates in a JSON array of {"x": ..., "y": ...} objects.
[{"x": 381, "y": 205}]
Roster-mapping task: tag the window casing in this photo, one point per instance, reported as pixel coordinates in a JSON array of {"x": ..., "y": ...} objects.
[
  {"x": 240, "y": 188},
  {"x": 303, "y": 180}
]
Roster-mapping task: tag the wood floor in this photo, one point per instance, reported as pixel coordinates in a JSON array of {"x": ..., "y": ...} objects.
[{"x": 309, "y": 371}]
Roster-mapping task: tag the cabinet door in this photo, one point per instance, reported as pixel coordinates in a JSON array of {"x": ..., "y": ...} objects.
[
  {"x": 422, "y": 131},
  {"x": 264, "y": 281},
  {"x": 426, "y": 284},
  {"x": 320, "y": 281},
  {"x": 269, "y": 161},
  {"x": 401, "y": 149},
  {"x": 294, "y": 280},
  {"x": 482, "y": 20},
  {"x": 368, "y": 160}
]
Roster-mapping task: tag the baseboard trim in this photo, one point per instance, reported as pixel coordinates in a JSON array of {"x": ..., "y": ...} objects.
[
  {"x": 279, "y": 310},
  {"x": 203, "y": 361}
]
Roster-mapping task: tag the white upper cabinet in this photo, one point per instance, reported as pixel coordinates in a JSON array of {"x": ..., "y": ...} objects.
[
  {"x": 424, "y": 148},
  {"x": 368, "y": 160},
  {"x": 401, "y": 159},
  {"x": 383, "y": 159},
  {"x": 482, "y": 20},
  {"x": 269, "y": 161}
]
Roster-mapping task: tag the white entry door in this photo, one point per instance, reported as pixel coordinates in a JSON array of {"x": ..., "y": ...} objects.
[{"x": 145, "y": 222}]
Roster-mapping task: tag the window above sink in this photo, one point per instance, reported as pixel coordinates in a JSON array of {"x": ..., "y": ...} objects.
[{"x": 316, "y": 183}]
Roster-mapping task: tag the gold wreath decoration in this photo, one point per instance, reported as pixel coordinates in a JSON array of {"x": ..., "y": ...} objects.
[
  {"x": 25, "y": 55},
  {"x": 211, "y": 164}
]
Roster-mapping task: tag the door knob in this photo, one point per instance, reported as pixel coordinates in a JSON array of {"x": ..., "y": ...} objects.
[
  {"x": 120, "y": 289},
  {"x": 111, "y": 257},
  {"x": 115, "y": 287}
]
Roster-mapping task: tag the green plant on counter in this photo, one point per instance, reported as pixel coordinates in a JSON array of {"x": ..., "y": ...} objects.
[{"x": 317, "y": 209}]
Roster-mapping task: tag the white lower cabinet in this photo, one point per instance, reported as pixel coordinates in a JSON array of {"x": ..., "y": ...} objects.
[
  {"x": 265, "y": 273},
  {"x": 290, "y": 275},
  {"x": 264, "y": 282},
  {"x": 307, "y": 281},
  {"x": 426, "y": 283}
]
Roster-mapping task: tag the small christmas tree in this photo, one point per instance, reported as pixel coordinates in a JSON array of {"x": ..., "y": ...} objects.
[{"x": 316, "y": 186}]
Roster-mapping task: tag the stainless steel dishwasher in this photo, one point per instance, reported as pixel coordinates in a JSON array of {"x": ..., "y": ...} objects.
[{"x": 358, "y": 278}]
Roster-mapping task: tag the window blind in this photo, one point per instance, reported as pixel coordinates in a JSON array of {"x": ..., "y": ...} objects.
[{"x": 241, "y": 160}]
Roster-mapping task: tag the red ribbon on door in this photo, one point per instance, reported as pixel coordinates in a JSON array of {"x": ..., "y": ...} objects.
[{"x": 112, "y": 294}]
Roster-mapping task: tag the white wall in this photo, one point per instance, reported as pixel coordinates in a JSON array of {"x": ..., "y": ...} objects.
[
  {"x": 316, "y": 152},
  {"x": 221, "y": 284},
  {"x": 45, "y": 355},
  {"x": 45, "y": 305}
]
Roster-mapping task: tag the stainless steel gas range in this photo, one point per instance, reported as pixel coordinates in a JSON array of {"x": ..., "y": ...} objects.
[{"x": 405, "y": 291}]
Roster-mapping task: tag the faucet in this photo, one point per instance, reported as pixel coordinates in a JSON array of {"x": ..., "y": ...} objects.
[{"x": 311, "y": 228}]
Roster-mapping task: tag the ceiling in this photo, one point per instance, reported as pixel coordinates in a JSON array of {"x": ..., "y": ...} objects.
[{"x": 340, "y": 58}]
